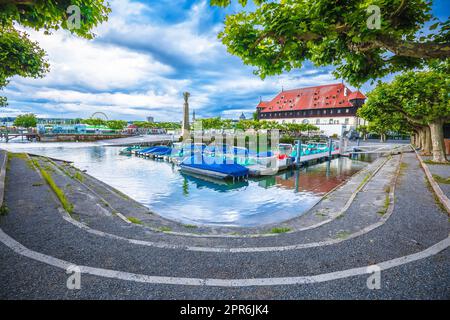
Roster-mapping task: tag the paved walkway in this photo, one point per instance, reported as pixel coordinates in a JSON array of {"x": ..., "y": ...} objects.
[{"x": 38, "y": 241}]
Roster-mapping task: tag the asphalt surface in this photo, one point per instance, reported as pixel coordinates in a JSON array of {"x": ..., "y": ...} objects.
[{"x": 35, "y": 221}]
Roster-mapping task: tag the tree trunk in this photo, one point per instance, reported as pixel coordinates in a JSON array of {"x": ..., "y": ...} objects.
[
  {"x": 426, "y": 149},
  {"x": 437, "y": 139},
  {"x": 422, "y": 138}
]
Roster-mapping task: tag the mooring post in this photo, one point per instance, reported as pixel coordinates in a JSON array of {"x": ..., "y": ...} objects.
[
  {"x": 298, "y": 148},
  {"x": 330, "y": 147}
]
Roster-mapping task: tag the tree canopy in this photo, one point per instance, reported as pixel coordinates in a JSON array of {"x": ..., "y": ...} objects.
[
  {"x": 158, "y": 125},
  {"x": 413, "y": 101},
  {"x": 281, "y": 35},
  {"x": 21, "y": 56},
  {"x": 26, "y": 121}
]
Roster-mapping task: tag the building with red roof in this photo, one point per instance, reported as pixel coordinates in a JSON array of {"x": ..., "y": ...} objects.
[{"x": 330, "y": 107}]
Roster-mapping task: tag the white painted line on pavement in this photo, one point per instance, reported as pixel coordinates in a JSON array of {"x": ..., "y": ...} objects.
[{"x": 127, "y": 276}]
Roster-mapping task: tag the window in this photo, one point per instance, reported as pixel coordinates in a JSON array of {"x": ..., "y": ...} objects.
[
  {"x": 293, "y": 121},
  {"x": 347, "y": 110},
  {"x": 339, "y": 111},
  {"x": 336, "y": 121},
  {"x": 324, "y": 111},
  {"x": 331, "y": 121},
  {"x": 317, "y": 121},
  {"x": 347, "y": 120},
  {"x": 305, "y": 121}
]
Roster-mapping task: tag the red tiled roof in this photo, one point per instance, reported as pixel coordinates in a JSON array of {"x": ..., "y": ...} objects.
[
  {"x": 356, "y": 95},
  {"x": 262, "y": 104},
  {"x": 319, "y": 97}
]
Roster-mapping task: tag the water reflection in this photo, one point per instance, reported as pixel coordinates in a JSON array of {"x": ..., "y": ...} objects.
[{"x": 193, "y": 199}]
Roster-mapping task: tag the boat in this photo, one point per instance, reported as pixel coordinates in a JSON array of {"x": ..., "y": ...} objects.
[
  {"x": 154, "y": 151},
  {"x": 213, "y": 167},
  {"x": 129, "y": 150}
]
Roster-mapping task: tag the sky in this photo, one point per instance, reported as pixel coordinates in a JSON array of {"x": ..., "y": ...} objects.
[{"x": 142, "y": 60}]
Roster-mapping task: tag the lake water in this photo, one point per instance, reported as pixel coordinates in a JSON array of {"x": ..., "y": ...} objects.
[{"x": 192, "y": 200}]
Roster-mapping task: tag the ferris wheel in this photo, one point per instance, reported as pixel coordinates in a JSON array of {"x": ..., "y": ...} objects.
[{"x": 99, "y": 115}]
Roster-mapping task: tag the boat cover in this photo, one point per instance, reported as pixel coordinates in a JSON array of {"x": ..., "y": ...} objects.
[{"x": 209, "y": 164}]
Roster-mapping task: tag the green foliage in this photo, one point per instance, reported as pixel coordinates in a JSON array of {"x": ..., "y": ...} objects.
[
  {"x": 57, "y": 190},
  {"x": 412, "y": 98},
  {"x": 134, "y": 220},
  {"x": 52, "y": 15},
  {"x": 26, "y": 121},
  {"x": 23, "y": 57},
  {"x": 19, "y": 56},
  {"x": 116, "y": 124},
  {"x": 158, "y": 125},
  {"x": 4, "y": 209},
  {"x": 280, "y": 230},
  {"x": 94, "y": 122},
  {"x": 281, "y": 35}
]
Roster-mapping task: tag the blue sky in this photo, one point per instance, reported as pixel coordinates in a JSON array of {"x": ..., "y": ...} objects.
[{"x": 141, "y": 61}]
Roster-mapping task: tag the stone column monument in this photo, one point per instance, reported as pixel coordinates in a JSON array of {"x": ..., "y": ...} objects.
[{"x": 186, "y": 128}]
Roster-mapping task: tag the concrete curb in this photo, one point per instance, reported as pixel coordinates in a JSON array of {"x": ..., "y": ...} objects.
[
  {"x": 367, "y": 229},
  {"x": 342, "y": 211},
  {"x": 3, "y": 176},
  {"x": 436, "y": 188}
]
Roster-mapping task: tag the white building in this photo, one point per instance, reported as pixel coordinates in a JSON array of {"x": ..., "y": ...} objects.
[{"x": 332, "y": 108}]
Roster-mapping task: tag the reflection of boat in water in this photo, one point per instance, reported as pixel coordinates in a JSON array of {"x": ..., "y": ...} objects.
[
  {"x": 219, "y": 185},
  {"x": 214, "y": 167}
]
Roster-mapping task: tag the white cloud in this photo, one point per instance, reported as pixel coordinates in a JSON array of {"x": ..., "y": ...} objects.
[
  {"x": 182, "y": 39},
  {"x": 80, "y": 62}
]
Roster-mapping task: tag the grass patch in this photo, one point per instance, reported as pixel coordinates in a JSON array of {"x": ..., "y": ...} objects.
[
  {"x": 280, "y": 230},
  {"x": 4, "y": 210},
  {"x": 387, "y": 201},
  {"x": 342, "y": 234},
  {"x": 363, "y": 182},
  {"x": 134, "y": 220},
  {"x": 320, "y": 214},
  {"x": 440, "y": 179},
  {"x": 12, "y": 155},
  {"x": 438, "y": 163},
  {"x": 78, "y": 176},
  {"x": 190, "y": 226},
  {"x": 59, "y": 193},
  {"x": 165, "y": 229},
  {"x": 435, "y": 197}
]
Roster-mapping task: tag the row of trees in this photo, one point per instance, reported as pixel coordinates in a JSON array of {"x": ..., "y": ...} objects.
[
  {"x": 29, "y": 120},
  {"x": 363, "y": 40},
  {"x": 218, "y": 124},
  {"x": 158, "y": 125},
  {"x": 417, "y": 102}
]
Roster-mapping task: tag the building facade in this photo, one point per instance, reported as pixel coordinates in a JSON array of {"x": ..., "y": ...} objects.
[{"x": 332, "y": 108}]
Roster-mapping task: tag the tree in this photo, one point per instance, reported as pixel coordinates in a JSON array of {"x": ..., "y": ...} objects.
[
  {"x": 26, "y": 121},
  {"x": 116, "y": 124},
  {"x": 281, "y": 35},
  {"x": 95, "y": 122},
  {"x": 363, "y": 131},
  {"x": 414, "y": 101},
  {"x": 23, "y": 57}
]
